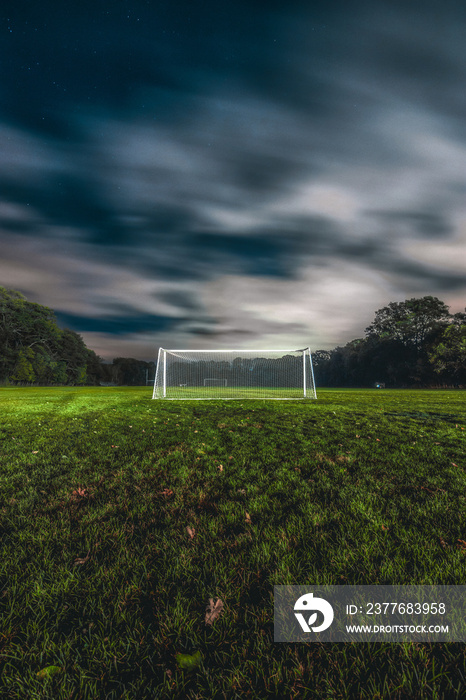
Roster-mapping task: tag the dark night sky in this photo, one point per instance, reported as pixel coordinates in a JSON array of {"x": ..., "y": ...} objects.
[{"x": 222, "y": 175}]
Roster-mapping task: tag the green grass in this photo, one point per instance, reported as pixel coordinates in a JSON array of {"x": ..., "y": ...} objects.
[
  {"x": 100, "y": 577},
  {"x": 201, "y": 393}
]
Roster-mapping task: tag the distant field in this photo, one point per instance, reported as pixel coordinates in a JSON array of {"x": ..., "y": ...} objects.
[{"x": 121, "y": 516}]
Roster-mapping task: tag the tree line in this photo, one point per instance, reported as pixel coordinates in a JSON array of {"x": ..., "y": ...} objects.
[
  {"x": 414, "y": 343},
  {"x": 34, "y": 350}
]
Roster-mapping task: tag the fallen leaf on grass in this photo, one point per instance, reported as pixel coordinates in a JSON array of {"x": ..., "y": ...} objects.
[
  {"x": 78, "y": 561},
  {"x": 443, "y": 543},
  {"x": 79, "y": 493},
  {"x": 191, "y": 532},
  {"x": 462, "y": 545},
  {"x": 247, "y": 518},
  {"x": 166, "y": 492},
  {"x": 213, "y": 610},
  {"x": 188, "y": 662},
  {"x": 220, "y": 466},
  {"x": 49, "y": 672}
]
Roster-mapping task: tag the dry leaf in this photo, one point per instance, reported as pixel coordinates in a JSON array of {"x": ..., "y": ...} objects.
[
  {"x": 82, "y": 561},
  {"x": 191, "y": 532},
  {"x": 443, "y": 543},
  {"x": 462, "y": 544},
  {"x": 78, "y": 493},
  {"x": 166, "y": 492},
  {"x": 220, "y": 466},
  {"x": 248, "y": 518},
  {"x": 213, "y": 610}
]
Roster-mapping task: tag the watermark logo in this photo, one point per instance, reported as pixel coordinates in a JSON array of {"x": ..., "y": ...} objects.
[
  {"x": 430, "y": 613},
  {"x": 307, "y": 603}
]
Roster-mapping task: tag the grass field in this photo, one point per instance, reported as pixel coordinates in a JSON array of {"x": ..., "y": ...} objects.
[
  {"x": 237, "y": 392},
  {"x": 121, "y": 517}
]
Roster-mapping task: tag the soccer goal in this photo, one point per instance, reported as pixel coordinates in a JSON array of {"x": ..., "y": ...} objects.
[{"x": 234, "y": 374}]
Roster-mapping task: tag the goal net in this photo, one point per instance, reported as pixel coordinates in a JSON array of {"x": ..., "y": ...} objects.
[{"x": 234, "y": 374}]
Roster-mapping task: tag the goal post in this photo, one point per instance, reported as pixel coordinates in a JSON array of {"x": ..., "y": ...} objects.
[{"x": 234, "y": 374}]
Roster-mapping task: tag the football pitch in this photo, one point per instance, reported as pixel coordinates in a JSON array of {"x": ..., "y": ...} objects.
[{"x": 122, "y": 517}]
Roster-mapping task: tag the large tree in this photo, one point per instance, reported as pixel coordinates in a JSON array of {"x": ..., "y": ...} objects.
[
  {"x": 413, "y": 322},
  {"x": 415, "y": 342},
  {"x": 448, "y": 355},
  {"x": 24, "y": 325},
  {"x": 408, "y": 330},
  {"x": 34, "y": 349}
]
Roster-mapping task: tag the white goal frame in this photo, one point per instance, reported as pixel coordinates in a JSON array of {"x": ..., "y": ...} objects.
[{"x": 171, "y": 383}]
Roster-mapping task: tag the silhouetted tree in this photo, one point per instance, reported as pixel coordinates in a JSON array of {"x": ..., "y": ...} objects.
[
  {"x": 34, "y": 349},
  {"x": 413, "y": 321}
]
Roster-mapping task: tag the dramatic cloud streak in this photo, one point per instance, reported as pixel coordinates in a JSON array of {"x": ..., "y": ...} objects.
[{"x": 232, "y": 177}]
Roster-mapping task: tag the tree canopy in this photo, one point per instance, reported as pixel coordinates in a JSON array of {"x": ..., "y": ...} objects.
[
  {"x": 33, "y": 349},
  {"x": 416, "y": 342},
  {"x": 412, "y": 321}
]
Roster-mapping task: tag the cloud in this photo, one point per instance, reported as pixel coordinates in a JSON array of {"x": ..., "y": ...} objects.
[
  {"x": 272, "y": 180},
  {"x": 321, "y": 199},
  {"x": 315, "y": 309},
  {"x": 448, "y": 257}
]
